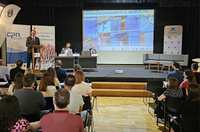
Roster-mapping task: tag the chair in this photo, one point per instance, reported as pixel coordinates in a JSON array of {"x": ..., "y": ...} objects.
[
  {"x": 151, "y": 85},
  {"x": 49, "y": 104},
  {"x": 188, "y": 123},
  {"x": 170, "y": 102},
  {"x": 87, "y": 103},
  {"x": 158, "y": 91},
  {"x": 6, "y": 85},
  {"x": 31, "y": 117}
]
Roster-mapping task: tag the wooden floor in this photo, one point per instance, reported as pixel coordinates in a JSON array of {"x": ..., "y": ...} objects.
[{"x": 123, "y": 114}]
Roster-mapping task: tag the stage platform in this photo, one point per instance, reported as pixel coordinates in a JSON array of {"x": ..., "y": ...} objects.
[{"x": 131, "y": 73}]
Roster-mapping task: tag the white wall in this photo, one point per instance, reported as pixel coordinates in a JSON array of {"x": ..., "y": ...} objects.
[{"x": 121, "y": 57}]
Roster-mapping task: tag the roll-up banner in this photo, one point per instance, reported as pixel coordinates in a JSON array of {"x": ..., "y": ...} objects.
[
  {"x": 16, "y": 45},
  {"x": 46, "y": 35},
  {"x": 173, "y": 39}
]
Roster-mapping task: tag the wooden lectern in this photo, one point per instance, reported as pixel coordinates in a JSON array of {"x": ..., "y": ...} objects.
[{"x": 38, "y": 55}]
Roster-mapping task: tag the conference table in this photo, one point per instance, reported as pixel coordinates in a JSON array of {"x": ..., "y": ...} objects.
[{"x": 86, "y": 62}]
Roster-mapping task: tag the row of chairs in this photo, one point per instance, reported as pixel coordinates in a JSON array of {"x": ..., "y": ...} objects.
[{"x": 155, "y": 86}]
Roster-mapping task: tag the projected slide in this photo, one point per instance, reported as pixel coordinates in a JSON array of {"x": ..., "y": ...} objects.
[{"x": 118, "y": 29}]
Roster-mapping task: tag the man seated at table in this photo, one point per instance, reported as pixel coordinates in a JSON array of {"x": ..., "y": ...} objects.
[
  {"x": 67, "y": 50},
  {"x": 61, "y": 120},
  {"x": 176, "y": 73},
  {"x": 17, "y": 69},
  {"x": 61, "y": 73},
  {"x": 194, "y": 68}
]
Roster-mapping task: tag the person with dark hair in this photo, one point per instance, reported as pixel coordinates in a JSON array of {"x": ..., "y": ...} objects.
[
  {"x": 10, "y": 118},
  {"x": 77, "y": 67},
  {"x": 173, "y": 90},
  {"x": 30, "y": 101},
  {"x": 31, "y": 40},
  {"x": 61, "y": 73},
  {"x": 67, "y": 50},
  {"x": 76, "y": 101},
  {"x": 4, "y": 72},
  {"x": 61, "y": 120},
  {"x": 189, "y": 76},
  {"x": 30, "y": 71},
  {"x": 176, "y": 73},
  {"x": 18, "y": 83},
  {"x": 47, "y": 86},
  {"x": 81, "y": 87},
  {"x": 191, "y": 106},
  {"x": 55, "y": 79},
  {"x": 194, "y": 68},
  {"x": 17, "y": 69}
]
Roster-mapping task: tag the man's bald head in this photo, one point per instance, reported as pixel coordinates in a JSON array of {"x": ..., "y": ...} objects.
[
  {"x": 1, "y": 62},
  {"x": 58, "y": 63}
]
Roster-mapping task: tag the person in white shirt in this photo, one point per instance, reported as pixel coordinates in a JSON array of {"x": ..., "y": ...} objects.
[
  {"x": 18, "y": 83},
  {"x": 67, "y": 50},
  {"x": 47, "y": 86},
  {"x": 81, "y": 87},
  {"x": 4, "y": 72}
]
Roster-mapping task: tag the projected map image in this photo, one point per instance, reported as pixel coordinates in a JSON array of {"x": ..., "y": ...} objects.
[{"x": 118, "y": 29}]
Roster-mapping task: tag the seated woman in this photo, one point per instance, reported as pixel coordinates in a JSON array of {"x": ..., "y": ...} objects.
[
  {"x": 92, "y": 50},
  {"x": 81, "y": 87},
  {"x": 173, "y": 90},
  {"x": 67, "y": 50},
  {"x": 191, "y": 106},
  {"x": 47, "y": 86},
  {"x": 10, "y": 118},
  {"x": 30, "y": 71},
  {"x": 18, "y": 83},
  {"x": 55, "y": 79},
  {"x": 189, "y": 76}
]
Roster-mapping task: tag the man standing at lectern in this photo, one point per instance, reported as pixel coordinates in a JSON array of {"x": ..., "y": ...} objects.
[{"x": 31, "y": 40}]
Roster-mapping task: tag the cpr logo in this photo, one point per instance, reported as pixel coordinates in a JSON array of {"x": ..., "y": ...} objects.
[{"x": 12, "y": 34}]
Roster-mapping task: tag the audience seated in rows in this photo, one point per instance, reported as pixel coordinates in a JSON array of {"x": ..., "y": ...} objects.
[
  {"x": 4, "y": 72},
  {"x": 47, "y": 86},
  {"x": 61, "y": 73},
  {"x": 61, "y": 120},
  {"x": 30, "y": 101},
  {"x": 17, "y": 69},
  {"x": 10, "y": 118},
  {"x": 18, "y": 83},
  {"x": 176, "y": 73},
  {"x": 191, "y": 106},
  {"x": 76, "y": 101},
  {"x": 81, "y": 87},
  {"x": 55, "y": 79},
  {"x": 189, "y": 77},
  {"x": 194, "y": 68},
  {"x": 173, "y": 90},
  {"x": 30, "y": 71}
]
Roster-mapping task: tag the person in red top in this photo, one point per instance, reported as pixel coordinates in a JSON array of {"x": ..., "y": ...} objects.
[
  {"x": 189, "y": 75},
  {"x": 61, "y": 120}
]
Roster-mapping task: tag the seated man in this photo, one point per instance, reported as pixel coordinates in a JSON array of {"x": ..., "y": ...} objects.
[
  {"x": 4, "y": 72},
  {"x": 194, "y": 68},
  {"x": 17, "y": 69},
  {"x": 61, "y": 73},
  {"x": 176, "y": 73},
  {"x": 30, "y": 101},
  {"x": 76, "y": 100},
  {"x": 67, "y": 50},
  {"x": 61, "y": 120}
]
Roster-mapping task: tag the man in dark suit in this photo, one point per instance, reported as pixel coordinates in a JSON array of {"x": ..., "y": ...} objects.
[
  {"x": 31, "y": 40},
  {"x": 61, "y": 73},
  {"x": 17, "y": 69}
]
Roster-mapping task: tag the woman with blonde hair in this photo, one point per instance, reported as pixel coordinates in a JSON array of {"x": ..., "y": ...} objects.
[
  {"x": 55, "y": 79},
  {"x": 18, "y": 83},
  {"x": 81, "y": 87},
  {"x": 47, "y": 86}
]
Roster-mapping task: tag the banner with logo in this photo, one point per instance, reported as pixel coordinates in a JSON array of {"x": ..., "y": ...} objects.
[
  {"x": 16, "y": 44},
  {"x": 46, "y": 35},
  {"x": 173, "y": 39},
  {"x": 6, "y": 19}
]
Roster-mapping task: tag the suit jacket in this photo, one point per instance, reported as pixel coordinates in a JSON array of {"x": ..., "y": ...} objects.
[
  {"x": 14, "y": 71},
  {"x": 30, "y": 41},
  {"x": 69, "y": 53}
]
